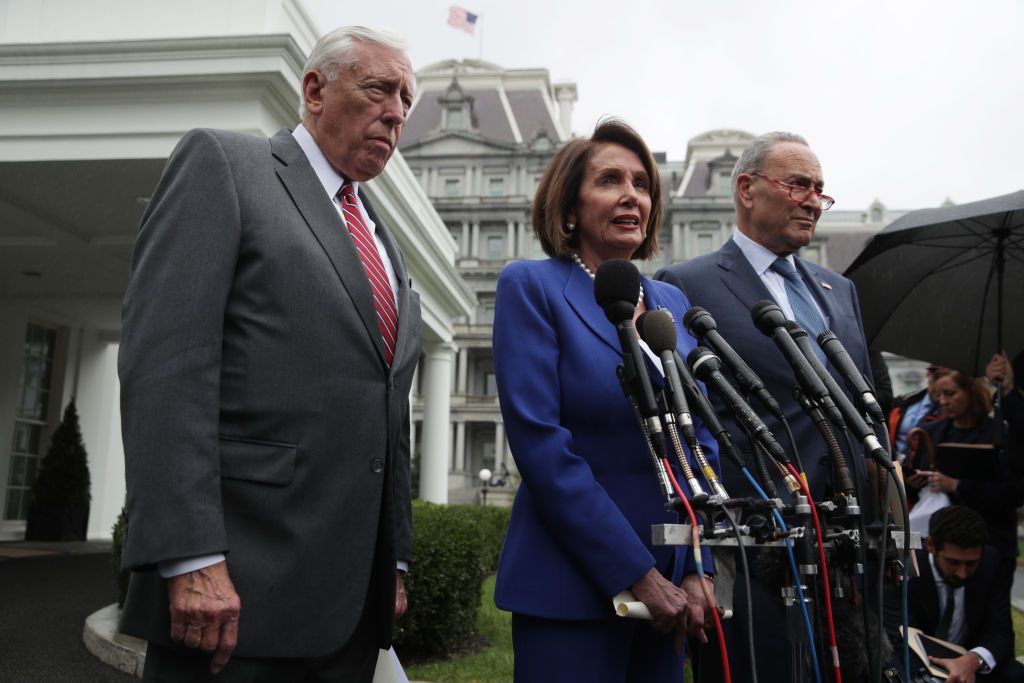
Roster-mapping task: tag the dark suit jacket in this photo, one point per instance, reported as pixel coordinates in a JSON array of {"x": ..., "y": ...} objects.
[
  {"x": 725, "y": 284},
  {"x": 987, "y": 603},
  {"x": 259, "y": 416},
  {"x": 581, "y": 523}
]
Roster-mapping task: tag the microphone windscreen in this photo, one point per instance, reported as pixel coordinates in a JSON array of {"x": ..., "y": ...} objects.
[
  {"x": 698, "y": 322},
  {"x": 617, "y": 282},
  {"x": 658, "y": 330},
  {"x": 767, "y": 316}
]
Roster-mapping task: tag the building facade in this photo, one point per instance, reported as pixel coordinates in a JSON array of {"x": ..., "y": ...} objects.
[{"x": 477, "y": 140}]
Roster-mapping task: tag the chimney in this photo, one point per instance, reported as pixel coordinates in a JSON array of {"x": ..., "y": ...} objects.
[{"x": 565, "y": 94}]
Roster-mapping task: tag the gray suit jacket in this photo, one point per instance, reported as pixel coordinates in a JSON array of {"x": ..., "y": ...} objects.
[
  {"x": 725, "y": 284},
  {"x": 259, "y": 416}
]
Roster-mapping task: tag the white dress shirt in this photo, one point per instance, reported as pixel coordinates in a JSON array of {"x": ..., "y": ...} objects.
[
  {"x": 958, "y": 626},
  {"x": 761, "y": 260}
]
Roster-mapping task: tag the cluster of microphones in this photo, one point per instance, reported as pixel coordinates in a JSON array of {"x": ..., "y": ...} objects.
[
  {"x": 666, "y": 418},
  {"x": 616, "y": 289}
]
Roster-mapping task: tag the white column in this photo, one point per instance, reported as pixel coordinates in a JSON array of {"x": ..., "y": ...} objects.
[
  {"x": 523, "y": 188},
  {"x": 677, "y": 242},
  {"x": 474, "y": 240},
  {"x": 469, "y": 182},
  {"x": 462, "y": 381},
  {"x": 464, "y": 244},
  {"x": 499, "y": 445},
  {"x": 510, "y": 239},
  {"x": 437, "y": 381},
  {"x": 460, "y": 447}
]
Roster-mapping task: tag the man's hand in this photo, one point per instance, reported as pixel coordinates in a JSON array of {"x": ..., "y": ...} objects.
[
  {"x": 961, "y": 670},
  {"x": 942, "y": 482},
  {"x": 401, "y": 599},
  {"x": 1000, "y": 372},
  {"x": 669, "y": 606},
  {"x": 204, "y": 612}
]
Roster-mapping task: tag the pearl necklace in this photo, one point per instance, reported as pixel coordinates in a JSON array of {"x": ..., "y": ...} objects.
[{"x": 579, "y": 262}]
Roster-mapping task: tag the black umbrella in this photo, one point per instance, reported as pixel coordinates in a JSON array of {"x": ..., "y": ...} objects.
[{"x": 946, "y": 285}]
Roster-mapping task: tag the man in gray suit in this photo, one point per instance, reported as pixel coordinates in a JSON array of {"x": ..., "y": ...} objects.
[
  {"x": 269, "y": 342},
  {"x": 778, "y": 191}
]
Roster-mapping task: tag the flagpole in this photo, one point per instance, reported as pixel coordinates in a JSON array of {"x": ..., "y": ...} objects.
[{"x": 480, "y": 42}]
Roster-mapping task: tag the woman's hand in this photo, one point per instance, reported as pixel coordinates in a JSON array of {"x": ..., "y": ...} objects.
[
  {"x": 917, "y": 480},
  {"x": 1000, "y": 372},
  {"x": 938, "y": 481},
  {"x": 671, "y": 607}
]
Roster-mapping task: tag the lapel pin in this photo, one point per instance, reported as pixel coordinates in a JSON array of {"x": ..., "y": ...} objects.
[{"x": 826, "y": 285}]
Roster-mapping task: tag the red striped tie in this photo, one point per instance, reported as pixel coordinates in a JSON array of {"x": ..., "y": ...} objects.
[{"x": 383, "y": 295}]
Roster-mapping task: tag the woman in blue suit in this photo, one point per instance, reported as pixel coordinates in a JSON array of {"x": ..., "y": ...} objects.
[{"x": 581, "y": 522}]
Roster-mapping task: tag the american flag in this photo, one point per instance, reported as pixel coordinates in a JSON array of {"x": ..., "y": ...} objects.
[{"x": 461, "y": 18}]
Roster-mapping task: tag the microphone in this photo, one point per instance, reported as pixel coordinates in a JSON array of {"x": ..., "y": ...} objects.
[
  {"x": 708, "y": 368},
  {"x": 862, "y": 393},
  {"x": 771, "y": 321},
  {"x": 701, "y": 325},
  {"x": 617, "y": 289},
  {"x": 658, "y": 329},
  {"x": 799, "y": 336},
  {"x": 706, "y": 412}
]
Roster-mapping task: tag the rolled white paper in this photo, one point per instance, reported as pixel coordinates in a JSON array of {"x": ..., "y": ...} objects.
[{"x": 626, "y": 605}]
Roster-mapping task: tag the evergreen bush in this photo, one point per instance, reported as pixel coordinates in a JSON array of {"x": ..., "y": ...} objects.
[
  {"x": 454, "y": 547},
  {"x": 60, "y": 495}
]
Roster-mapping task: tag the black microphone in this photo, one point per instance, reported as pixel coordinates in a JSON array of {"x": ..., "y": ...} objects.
[
  {"x": 771, "y": 321},
  {"x": 706, "y": 412},
  {"x": 862, "y": 393},
  {"x": 702, "y": 326},
  {"x": 617, "y": 290},
  {"x": 658, "y": 329},
  {"x": 708, "y": 368}
]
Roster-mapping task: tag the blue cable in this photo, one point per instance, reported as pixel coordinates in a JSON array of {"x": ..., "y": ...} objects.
[{"x": 796, "y": 577}]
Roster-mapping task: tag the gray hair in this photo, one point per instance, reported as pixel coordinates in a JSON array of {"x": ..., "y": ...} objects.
[
  {"x": 337, "y": 49},
  {"x": 754, "y": 155}
]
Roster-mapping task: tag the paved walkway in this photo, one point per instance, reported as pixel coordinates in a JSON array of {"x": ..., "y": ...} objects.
[{"x": 46, "y": 592}]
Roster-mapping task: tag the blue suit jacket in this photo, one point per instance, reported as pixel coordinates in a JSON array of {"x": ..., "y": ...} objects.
[
  {"x": 725, "y": 284},
  {"x": 581, "y": 521}
]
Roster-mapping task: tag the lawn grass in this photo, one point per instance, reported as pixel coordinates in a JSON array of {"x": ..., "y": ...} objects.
[
  {"x": 493, "y": 664},
  {"x": 1018, "y": 632}
]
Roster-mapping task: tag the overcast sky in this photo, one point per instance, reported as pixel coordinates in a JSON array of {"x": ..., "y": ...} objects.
[{"x": 904, "y": 100}]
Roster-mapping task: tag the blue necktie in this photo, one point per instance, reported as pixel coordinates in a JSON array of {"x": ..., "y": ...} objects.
[{"x": 802, "y": 302}]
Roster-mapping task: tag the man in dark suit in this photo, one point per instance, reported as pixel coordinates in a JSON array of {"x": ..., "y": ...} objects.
[
  {"x": 778, "y": 192},
  {"x": 269, "y": 342},
  {"x": 961, "y": 596}
]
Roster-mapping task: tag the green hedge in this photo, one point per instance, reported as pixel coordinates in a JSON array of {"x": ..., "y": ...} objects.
[{"x": 454, "y": 547}]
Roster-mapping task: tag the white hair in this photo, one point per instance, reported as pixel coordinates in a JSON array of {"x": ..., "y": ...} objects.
[
  {"x": 337, "y": 49},
  {"x": 755, "y": 154}
]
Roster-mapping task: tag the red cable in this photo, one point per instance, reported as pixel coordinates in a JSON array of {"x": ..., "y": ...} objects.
[
  {"x": 696, "y": 551},
  {"x": 824, "y": 575}
]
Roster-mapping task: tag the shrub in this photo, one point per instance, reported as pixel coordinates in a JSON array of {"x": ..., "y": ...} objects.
[
  {"x": 60, "y": 495},
  {"x": 454, "y": 546},
  {"x": 118, "y": 534}
]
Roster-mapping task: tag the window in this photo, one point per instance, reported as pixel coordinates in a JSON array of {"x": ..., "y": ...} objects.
[
  {"x": 451, "y": 187},
  {"x": 496, "y": 187},
  {"x": 724, "y": 184},
  {"x": 486, "y": 315},
  {"x": 490, "y": 384},
  {"x": 812, "y": 253},
  {"x": 705, "y": 243},
  {"x": 495, "y": 247},
  {"x": 455, "y": 119},
  {"x": 876, "y": 214},
  {"x": 30, "y": 418}
]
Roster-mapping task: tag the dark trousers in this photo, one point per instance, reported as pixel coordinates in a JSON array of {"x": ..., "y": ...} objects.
[
  {"x": 353, "y": 663},
  {"x": 612, "y": 650}
]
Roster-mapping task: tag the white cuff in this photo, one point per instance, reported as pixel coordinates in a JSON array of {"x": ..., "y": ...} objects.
[
  {"x": 403, "y": 566},
  {"x": 990, "y": 661},
  {"x": 169, "y": 568}
]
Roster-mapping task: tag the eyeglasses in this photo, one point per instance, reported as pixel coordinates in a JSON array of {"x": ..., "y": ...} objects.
[{"x": 800, "y": 193}]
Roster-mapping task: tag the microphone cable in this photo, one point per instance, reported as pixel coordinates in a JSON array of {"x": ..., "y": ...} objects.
[
  {"x": 824, "y": 579},
  {"x": 812, "y": 648},
  {"x": 750, "y": 604},
  {"x": 699, "y": 562}
]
